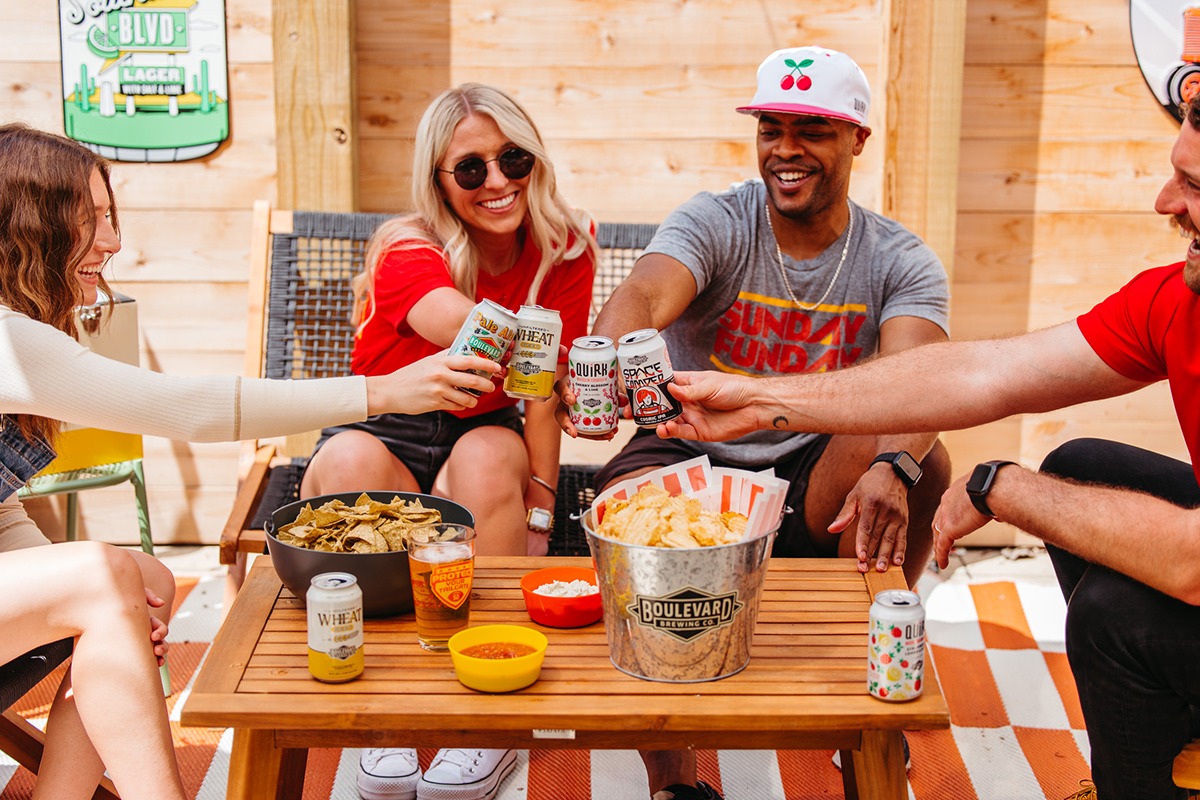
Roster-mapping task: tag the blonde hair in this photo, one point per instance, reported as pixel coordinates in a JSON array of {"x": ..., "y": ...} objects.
[{"x": 551, "y": 222}]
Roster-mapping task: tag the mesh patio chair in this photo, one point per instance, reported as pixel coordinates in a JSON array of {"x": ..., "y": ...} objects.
[{"x": 299, "y": 326}]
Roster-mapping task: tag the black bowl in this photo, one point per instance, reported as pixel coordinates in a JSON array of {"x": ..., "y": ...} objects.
[{"x": 383, "y": 577}]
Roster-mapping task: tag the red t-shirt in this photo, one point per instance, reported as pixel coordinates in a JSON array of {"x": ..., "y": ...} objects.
[
  {"x": 387, "y": 343},
  {"x": 1150, "y": 330}
]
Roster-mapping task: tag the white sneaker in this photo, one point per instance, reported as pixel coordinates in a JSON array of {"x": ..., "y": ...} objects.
[
  {"x": 458, "y": 774},
  {"x": 388, "y": 773}
]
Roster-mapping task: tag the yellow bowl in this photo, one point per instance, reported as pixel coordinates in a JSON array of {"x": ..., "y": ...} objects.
[{"x": 501, "y": 674}]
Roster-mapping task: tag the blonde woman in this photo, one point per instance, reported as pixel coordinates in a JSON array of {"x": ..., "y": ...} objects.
[{"x": 489, "y": 223}]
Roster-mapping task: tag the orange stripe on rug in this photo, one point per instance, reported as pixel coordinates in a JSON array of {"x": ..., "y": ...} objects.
[
  {"x": 320, "y": 772},
  {"x": 808, "y": 774},
  {"x": 1060, "y": 671},
  {"x": 183, "y": 587},
  {"x": 708, "y": 769},
  {"x": 556, "y": 774},
  {"x": 1001, "y": 618},
  {"x": 969, "y": 688},
  {"x": 938, "y": 771},
  {"x": 1055, "y": 759},
  {"x": 20, "y": 786}
]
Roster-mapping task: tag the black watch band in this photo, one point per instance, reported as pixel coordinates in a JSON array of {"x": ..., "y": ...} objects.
[
  {"x": 979, "y": 485},
  {"x": 903, "y": 464}
]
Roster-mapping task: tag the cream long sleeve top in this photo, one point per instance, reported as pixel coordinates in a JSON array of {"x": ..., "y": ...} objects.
[{"x": 45, "y": 372}]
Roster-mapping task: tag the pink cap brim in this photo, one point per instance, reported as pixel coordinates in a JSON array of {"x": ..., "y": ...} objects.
[{"x": 796, "y": 108}]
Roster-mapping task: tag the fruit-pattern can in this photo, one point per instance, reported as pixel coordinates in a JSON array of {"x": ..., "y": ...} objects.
[
  {"x": 335, "y": 627},
  {"x": 534, "y": 361},
  {"x": 646, "y": 371},
  {"x": 592, "y": 376},
  {"x": 488, "y": 332},
  {"x": 896, "y": 652}
]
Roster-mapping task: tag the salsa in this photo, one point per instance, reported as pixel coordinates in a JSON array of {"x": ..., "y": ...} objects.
[{"x": 497, "y": 650}]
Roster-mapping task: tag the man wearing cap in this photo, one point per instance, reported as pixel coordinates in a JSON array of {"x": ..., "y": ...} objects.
[
  {"x": 785, "y": 275},
  {"x": 1121, "y": 524}
]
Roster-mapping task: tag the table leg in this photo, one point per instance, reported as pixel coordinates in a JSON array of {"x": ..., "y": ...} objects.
[
  {"x": 258, "y": 769},
  {"x": 877, "y": 770}
]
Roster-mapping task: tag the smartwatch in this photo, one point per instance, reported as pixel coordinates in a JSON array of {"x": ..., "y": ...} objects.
[
  {"x": 980, "y": 484},
  {"x": 539, "y": 520},
  {"x": 904, "y": 465}
]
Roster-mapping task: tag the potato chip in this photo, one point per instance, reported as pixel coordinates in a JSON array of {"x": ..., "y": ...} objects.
[
  {"x": 653, "y": 517},
  {"x": 368, "y": 526}
]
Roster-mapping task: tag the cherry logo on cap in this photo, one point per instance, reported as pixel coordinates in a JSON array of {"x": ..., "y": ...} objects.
[{"x": 803, "y": 82}]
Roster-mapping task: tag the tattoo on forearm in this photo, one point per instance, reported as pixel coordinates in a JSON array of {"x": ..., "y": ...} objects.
[{"x": 779, "y": 422}]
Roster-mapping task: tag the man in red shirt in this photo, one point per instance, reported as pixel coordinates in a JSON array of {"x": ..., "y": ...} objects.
[{"x": 1121, "y": 523}]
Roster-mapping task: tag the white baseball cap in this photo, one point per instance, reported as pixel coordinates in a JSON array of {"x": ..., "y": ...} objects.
[{"x": 813, "y": 81}]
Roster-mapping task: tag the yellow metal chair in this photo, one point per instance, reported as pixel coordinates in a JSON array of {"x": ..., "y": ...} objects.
[{"x": 90, "y": 458}]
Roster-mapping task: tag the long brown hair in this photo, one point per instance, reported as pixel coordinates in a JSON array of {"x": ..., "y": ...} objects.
[{"x": 47, "y": 227}]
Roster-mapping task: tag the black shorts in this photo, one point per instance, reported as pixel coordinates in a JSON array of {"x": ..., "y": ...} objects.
[
  {"x": 645, "y": 449},
  {"x": 423, "y": 442}
]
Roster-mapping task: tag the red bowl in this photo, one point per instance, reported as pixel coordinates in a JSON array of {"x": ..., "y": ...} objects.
[{"x": 561, "y": 612}]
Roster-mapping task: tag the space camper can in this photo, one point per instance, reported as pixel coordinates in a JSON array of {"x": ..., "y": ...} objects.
[{"x": 646, "y": 371}]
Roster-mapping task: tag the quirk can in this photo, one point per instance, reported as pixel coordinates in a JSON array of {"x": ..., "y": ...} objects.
[
  {"x": 896, "y": 650},
  {"x": 335, "y": 627},
  {"x": 488, "y": 332},
  {"x": 646, "y": 371},
  {"x": 592, "y": 377},
  {"x": 534, "y": 361}
]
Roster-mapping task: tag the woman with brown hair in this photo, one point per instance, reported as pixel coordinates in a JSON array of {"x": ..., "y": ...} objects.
[{"x": 58, "y": 228}]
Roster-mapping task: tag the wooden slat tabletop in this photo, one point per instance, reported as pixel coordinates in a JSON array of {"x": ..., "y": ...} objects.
[{"x": 806, "y": 678}]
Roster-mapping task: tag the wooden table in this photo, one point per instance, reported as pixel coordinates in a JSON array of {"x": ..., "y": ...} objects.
[{"x": 805, "y": 686}]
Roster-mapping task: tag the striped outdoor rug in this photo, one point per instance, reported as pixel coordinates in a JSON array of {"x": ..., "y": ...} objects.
[{"x": 1017, "y": 730}]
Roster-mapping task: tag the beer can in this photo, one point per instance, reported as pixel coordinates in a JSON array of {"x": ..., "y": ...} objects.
[
  {"x": 534, "y": 360},
  {"x": 592, "y": 376},
  {"x": 335, "y": 627},
  {"x": 646, "y": 371},
  {"x": 896, "y": 654},
  {"x": 488, "y": 332}
]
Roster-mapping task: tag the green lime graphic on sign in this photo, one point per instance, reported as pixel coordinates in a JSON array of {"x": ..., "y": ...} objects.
[{"x": 145, "y": 80}]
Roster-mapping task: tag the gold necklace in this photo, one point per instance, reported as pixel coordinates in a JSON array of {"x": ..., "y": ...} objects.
[{"x": 838, "y": 271}]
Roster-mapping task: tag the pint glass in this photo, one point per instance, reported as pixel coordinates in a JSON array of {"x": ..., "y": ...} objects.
[{"x": 441, "y": 575}]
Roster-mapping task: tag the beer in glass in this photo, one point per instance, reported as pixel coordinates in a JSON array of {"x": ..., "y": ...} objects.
[{"x": 441, "y": 573}]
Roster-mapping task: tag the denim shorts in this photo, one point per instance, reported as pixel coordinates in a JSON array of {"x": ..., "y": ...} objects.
[
  {"x": 20, "y": 459},
  {"x": 422, "y": 442}
]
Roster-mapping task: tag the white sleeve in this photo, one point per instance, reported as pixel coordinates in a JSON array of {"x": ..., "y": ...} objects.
[{"x": 45, "y": 372}]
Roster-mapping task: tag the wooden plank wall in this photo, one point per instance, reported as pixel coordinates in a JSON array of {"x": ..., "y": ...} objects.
[{"x": 1062, "y": 152}]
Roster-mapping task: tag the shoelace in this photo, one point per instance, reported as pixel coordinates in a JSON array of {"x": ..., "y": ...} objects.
[
  {"x": 374, "y": 755},
  {"x": 1087, "y": 791},
  {"x": 465, "y": 754}
]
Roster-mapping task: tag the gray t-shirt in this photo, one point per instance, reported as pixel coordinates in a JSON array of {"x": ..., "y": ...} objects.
[{"x": 743, "y": 320}]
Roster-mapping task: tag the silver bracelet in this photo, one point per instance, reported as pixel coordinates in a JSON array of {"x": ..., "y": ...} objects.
[{"x": 541, "y": 482}]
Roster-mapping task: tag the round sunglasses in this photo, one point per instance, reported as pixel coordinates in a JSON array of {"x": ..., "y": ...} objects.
[{"x": 471, "y": 173}]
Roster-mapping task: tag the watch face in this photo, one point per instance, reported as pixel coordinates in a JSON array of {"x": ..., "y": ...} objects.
[
  {"x": 910, "y": 466},
  {"x": 539, "y": 519}
]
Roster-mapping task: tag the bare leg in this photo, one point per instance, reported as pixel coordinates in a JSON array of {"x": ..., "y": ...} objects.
[
  {"x": 70, "y": 764},
  {"x": 669, "y": 767},
  {"x": 487, "y": 472},
  {"x": 354, "y": 461},
  {"x": 96, "y": 594},
  {"x": 835, "y": 474}
]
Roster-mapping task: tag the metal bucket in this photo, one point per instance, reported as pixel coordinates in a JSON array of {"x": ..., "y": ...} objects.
[{"x": 679, "y": 615}]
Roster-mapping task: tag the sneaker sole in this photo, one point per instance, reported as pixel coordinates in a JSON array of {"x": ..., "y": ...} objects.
[
  {"x": 374, "y": 787},
  {"x": 484, "y": 789}
]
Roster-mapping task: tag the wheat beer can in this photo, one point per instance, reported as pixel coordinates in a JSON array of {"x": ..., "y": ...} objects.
[
  {"x": 592, "y": 376},
  {"x": 335, "y": 627},
  {"x": 896, "y": 654},
  {"x": 534, "y": 360},
  {"x": 646, "y": 371},
  {"x": 488, "y": 332}
]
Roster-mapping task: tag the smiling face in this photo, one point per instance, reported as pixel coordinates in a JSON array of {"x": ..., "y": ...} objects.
[
  {"x": 496, "y": 209},
  {"x": 805, "y": 161},
  {"x": 106, "y": 243},
  {"x": 1180, "y": 198}
]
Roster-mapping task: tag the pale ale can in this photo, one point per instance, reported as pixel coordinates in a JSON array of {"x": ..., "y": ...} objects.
[
  {"x": 335, "y": 627},
  {"x": 534, "y": 361},
  {"x": 488, "y": 332},
  {"x": 592, "y": 377},
  {"x": 646, "y": 371},
  {"x": 442, "y": 573},
  {"x": 896, "y": 650}
]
